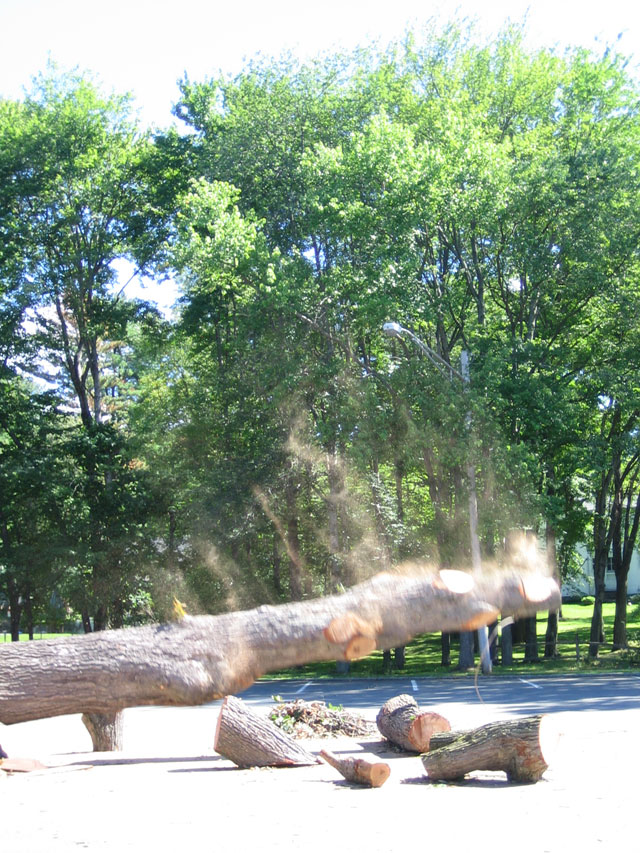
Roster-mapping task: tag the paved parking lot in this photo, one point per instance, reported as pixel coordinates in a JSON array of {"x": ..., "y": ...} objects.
[{"x": 169, "y": 791}]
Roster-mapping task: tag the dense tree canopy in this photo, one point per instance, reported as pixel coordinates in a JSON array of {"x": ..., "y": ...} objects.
[{"x": 269, "y": 442}]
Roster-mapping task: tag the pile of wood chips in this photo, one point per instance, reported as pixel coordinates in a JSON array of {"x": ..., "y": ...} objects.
[{"x": 302, "y": 719}]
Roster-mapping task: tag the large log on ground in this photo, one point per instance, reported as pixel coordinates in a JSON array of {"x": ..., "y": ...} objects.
[
  {"x": 402, "y": 722},
  {"x": 199, "y": 659},
  {"x": 253, "y": 741},
  {"x": 521, "y": 748},
  {"x": 359, "y": 770}
]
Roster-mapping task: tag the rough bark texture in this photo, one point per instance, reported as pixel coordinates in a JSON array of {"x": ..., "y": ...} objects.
[
  {"x": 106, "y": 730},
  {"x": 253, "y": 741},
  {"x": 521, "y": 748},
  {"x": 402, "y": 722},
  {"x": 199, "y": 659},
  {"x": 358, "y": 770}
]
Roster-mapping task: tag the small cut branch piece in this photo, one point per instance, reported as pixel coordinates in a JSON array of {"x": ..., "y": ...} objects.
[{"x": 358, "y": 770}]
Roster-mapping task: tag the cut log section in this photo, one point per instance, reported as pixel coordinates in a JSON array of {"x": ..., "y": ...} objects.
[
  {"x": 402, "y": 722},
  {"x": 521, "y": 748},
  {"x": 253, "y": 741},
  {"x": 358, "y": 770}
]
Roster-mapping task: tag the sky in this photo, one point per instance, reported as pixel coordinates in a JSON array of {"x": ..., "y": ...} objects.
[{"x": 145, "y": 46}]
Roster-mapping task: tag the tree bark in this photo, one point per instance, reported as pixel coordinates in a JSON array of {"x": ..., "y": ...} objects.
[
  {"x": 506, "y": 645},
  {"x": 445, "y": 646},
  {"x": 521, "y": 748},
  {"x": 531, "y": 640},
  {"x": 358, "y": 770},
  {"x": 466, "y": 658},
  {"x": 203, "y": 658},
  {"x": 551, "y": 634},
  {"x": 106, "y": 730},
  {"x": 253, "y": 741},
  {"x": 402, "y": 722}
]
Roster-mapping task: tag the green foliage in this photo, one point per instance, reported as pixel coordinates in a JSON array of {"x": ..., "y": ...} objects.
[{"x": 271, "y": 443}]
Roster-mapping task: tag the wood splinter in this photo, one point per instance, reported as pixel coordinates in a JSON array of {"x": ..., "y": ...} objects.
[{"x": 358, "y": 770}]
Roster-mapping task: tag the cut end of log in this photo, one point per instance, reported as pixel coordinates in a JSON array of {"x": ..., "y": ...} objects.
[
  {"x": 345, "y": 628},
  {"x": 402, "y": 722},
  {"x": 479, "y": 620},
  {"x": 537, "y": 587},
  {"x": 425, "y": 726},
  {"x": 456, "y": 581},
  {"x": 359, "y": 647}
]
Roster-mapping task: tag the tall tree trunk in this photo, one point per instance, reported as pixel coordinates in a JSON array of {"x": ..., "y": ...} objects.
[
  {"x": 28, "y": 612},
  {"x": 622, "y": 566},
  {"x": 531, "y": 640},
  {"x": 293, "y": 541},
  {"x": 399, "y": 651},
  {"x": 551, "y": 636},
  {"x": 15, "y": 608},
  {"x": 276, "y": 564},
  {"x": 445, "y": 644},
  {"x": 620, "y": 623},
  {"x": 506, "y": 645},
  {"x": 466, "y": 659},
  {"x": 601, "y": 545},
  {"x": 335, "y": 497},
  {"x": 86, "y": 621}
]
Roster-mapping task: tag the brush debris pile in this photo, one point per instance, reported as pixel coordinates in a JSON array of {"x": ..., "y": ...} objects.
[{"x": 302, "y": 719}]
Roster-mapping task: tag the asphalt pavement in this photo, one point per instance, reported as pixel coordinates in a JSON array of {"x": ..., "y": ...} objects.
[
  {"x": 168, "y": 790},
  {"x": 497, "y": 695},
  {"x": 610, "y": 701}
]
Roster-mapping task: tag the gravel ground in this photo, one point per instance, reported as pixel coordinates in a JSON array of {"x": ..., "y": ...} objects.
[{"x": 169, "y": 791}]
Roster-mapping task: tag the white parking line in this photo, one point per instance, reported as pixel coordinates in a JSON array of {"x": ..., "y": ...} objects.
[
  {"x": 304, "y": 687},
  {"x": 530, "y": 683},
  {"x": 414, "y": 685}
]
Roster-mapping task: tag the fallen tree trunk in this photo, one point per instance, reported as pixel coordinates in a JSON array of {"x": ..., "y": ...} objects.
[
  {"x": 402, "y": 722},
  {"x": 253, "y": 741},
  {"x": 358, "y": 770},
  {"x": 521, "y": 748},
  {"x": 199, "y": 659}
]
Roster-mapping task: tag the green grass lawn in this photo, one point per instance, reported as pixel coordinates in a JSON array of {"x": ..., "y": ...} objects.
[
  {"x": 5, "y": 637},
  {"x": 423, "y": 654}
]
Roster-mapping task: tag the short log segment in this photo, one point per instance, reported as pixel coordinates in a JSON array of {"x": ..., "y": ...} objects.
[
  {"x": 253, "y": 741},
  {"x": 402, "y": 722},
  {"x": 358, "y": 770},
  {"x": 521, "y": 748}
]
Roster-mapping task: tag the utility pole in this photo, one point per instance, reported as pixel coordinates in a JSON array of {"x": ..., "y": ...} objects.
[{"x": 396, "y": 330}]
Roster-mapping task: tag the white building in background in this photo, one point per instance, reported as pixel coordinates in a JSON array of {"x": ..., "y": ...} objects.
[{"x": 583, "y": 584}]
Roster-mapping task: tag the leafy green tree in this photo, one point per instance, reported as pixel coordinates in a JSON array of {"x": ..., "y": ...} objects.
[{"x": 74, "y": 203}]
